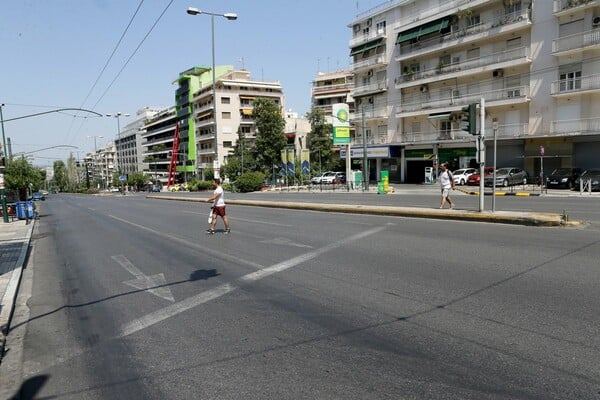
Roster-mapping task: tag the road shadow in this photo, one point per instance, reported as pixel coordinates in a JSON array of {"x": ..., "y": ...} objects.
[{"x": 30, "y": 388}]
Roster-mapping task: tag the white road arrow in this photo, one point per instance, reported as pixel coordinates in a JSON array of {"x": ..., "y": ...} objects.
[{"x": 155, "y": 284}]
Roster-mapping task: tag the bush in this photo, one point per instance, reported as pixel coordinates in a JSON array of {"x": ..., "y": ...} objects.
[
  {"x": 250, "y": 182},
  {"x": 204, "y": 185}
]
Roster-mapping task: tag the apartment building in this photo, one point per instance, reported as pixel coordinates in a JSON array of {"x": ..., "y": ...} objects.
[
  {"x": 198, "y": 112},
  {"x": 416, "y": 64},
  {"x": 332, "y": 88},
  {"x": 157, "y": 142},
  {"x": 128, "y": 143}
]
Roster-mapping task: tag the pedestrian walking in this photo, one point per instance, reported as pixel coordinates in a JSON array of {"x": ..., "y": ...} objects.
[
  {"x": 446, "y": 183},
  {"x": 218, "y": 208}
]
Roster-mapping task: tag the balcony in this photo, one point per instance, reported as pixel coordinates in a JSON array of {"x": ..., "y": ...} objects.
[
  {"x": 373, "y": 61},
  {"x": 498, "y": 60},
  {"x": 379, "y": 109},
  {"x": 438, "y": 100},
  {"x": 580, "y": 126},
  {"x": 435, "y": 136},
  {"x": 203, "y": 123},
  {"x": 576, "y": 43},
  {"x": 568, "y": 6},
  {"x": 575, "y": 85},
  {"x": 505, "y": 23},
  {"x": 370, "y": 88},
  {"x": 364, "y": 38},
  {"x": 327, "y": 89}
]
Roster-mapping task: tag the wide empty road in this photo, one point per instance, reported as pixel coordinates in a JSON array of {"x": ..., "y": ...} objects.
[{"x": 131, "y": 300}]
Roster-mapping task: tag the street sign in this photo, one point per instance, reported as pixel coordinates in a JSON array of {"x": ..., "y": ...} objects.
[{"x": 122, "y": 178}]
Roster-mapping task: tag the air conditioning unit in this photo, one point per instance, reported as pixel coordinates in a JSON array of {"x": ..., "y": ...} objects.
[
  {"x": 356, "y": 28},
  {"x": 498, "y": 73},
  {"x": 370, "y": 72},
  {"x": 424, "y": 89},
  {"x": 369, "y": 22},
  {"x": 596, "y": 21}
]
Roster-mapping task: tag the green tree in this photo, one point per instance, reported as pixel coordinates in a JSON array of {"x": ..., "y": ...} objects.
[
  {"x": 72, "y": 173},
  {"x": 60, "y": 175},
  {"x": 19, "y": 175},
  {"x": 270, "y": 140},
  {"x": 241, "y": 158},
  {"x": 320, "y": 142},
  {"x": 137, "y": 179}
]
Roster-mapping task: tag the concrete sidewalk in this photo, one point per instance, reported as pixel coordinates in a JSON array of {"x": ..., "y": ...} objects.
[{"x": 14, "y": 244}]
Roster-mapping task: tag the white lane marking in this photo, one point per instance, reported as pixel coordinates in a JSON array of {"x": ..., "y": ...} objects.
[
  {"x": 201, "y": 298},
  {"x": 203, "y": 249},
  {"x": 285, "y": 242},
  {"x": 155, "y": 284}
]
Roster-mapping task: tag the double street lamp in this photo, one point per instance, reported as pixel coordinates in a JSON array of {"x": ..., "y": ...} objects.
[{"x": 231, "y": 17}]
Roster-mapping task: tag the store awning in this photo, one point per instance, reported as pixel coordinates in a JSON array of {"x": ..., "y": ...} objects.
[
  {"x": 441, "y": 115},
  {"x": 246, "y": 111},
  {"x": 367, "y": 46},
  {"x": 415, "y": 33}
]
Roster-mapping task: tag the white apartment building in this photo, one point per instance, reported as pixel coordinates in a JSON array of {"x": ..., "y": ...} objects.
[
  {"x": 128, "y": 143},
  {"x": 417, "y": 63},
  {"x": 157, "y": 134},
  {"x": 198, "y": 112},
  {"x": 332, "y": 88}
]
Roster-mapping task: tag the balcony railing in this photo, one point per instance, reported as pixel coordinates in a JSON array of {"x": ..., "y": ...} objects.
[
  {"x": 576, "y": 126},
  {"x": 329, "y": 88},
  {"x": 576, "y": 41},
  {"x": 443, "y": 40},
  {"x": 378, "y": 110},
  {"x": 370, "y": 88},
  {"x": 378, "y": 59},
  {"x": 372, "y": 35},
  {"x": 522, "y": 53},
  {"x": 562, "y": 5},
  {"x": 591, "y": 82},
  {"x": 456, "y": 99}
]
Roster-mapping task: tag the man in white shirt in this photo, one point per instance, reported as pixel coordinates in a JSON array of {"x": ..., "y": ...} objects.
[
  {"x": 446, "y": 183},
  {"x": 218, "y": 207}
]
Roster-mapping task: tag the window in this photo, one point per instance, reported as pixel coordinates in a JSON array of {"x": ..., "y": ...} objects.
[
  {"x": 380, "y": 27},
  {"x": 415, "y": 127},
  {"x": 513, "y": 9},
  {"x": 227, "y": 143},
  {"x": 513, "y": 43},
  {"x": 473, "y": 53},
  {"x": 570, "y": 81},
  {"x": 475, "y": 19},
  {"x": 226, "y": 115},
  {"x": 225, "y": 100}
]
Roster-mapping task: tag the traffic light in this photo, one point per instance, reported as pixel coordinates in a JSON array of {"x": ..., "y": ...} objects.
[{"x": 469, "y": 116}]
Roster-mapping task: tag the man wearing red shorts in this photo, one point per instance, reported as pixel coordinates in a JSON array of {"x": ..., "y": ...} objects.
[{"x": 218, "y": 207}]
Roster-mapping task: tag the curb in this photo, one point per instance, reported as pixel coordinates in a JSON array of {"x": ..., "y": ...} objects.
[
  {"x": 521, "y": 194},
  {"x": 504, "y": 217},
  {"x": 8, "y": 301}
]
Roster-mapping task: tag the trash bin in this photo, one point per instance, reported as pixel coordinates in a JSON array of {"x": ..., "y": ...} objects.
[
  {"x": 21, "y": 208},
  {"x": 29, "y": 209},
  {"x": 380, "y": 187}
]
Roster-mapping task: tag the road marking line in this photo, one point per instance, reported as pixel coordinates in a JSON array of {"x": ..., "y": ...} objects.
[
  {"x": 212, "y": 294},
  {"x": 155, "y": 284},
  {"x": 245, "y": 220}
]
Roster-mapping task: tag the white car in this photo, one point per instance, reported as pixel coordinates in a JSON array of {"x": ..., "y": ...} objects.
[
  {"x": 319, "y": 178},
  {"x": 460, "y": 176}
]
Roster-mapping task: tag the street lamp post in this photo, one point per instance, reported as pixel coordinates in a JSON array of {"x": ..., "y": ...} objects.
[
  {"x": 117, "y": 115},
  {"x": 231, "y": 17}
]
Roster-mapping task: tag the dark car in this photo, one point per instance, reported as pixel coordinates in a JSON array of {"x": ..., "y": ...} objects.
[
  {"x": 563, "y": 178},
  {"x": 592, "y": 176},
  {"x": 38, "y": 196}
]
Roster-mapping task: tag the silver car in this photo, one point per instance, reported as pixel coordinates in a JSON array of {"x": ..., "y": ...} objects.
[{"x": 506, "y": 177}]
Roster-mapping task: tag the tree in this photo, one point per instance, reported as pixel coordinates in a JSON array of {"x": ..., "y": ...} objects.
[
  {"x": 319, "y": 140},
  {"x": 240, "y": 159},
  {"x": 137, "y": 179},
  {"x": 72, "y": 173},
  {"x": 270, "y": 139},
  {"x": 60, "y": 175},
  {"x": 21, "y": 175}
]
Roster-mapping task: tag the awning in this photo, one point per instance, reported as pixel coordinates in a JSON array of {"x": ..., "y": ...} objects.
[
  {"x": 414, "y": 33},
  {"x": 441, "y": 115},
  {"x": 367, "y": 46},
  {"x": 246, "y": 111}
]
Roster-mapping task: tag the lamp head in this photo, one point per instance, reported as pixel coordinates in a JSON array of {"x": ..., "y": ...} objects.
[
  {"x": 193, "y": 11},
  {"x": 230, "y": 16}
]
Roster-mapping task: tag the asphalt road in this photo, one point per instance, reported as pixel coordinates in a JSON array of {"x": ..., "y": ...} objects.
[{"x": 131, "y": 300}]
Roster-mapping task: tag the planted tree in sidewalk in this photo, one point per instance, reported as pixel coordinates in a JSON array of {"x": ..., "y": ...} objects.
[
  {"x": 21, "y": 175},
  {"x": 270, "y": 139},
  {"x": 320, "y": 141}
]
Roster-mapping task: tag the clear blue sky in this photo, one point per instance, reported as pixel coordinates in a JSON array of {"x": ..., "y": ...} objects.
[{"x": 53, "y": 51}]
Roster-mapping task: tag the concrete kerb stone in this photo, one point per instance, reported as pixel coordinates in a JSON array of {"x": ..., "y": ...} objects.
[{"x": 505, "y": 217}]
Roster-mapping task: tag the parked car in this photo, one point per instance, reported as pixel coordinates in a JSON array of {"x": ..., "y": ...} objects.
[
  {"x": 592, "y": 174},
  {"x": 563, "y": 178},
  {"x": 334, "y": 177},
  {"x": 38, "y": 196},
  {"x": 318, "y": 178},
  {"x": 460, "y": 176},
  {"x": 474, "y": 179},
  {"x": 507, "y": 176}
]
